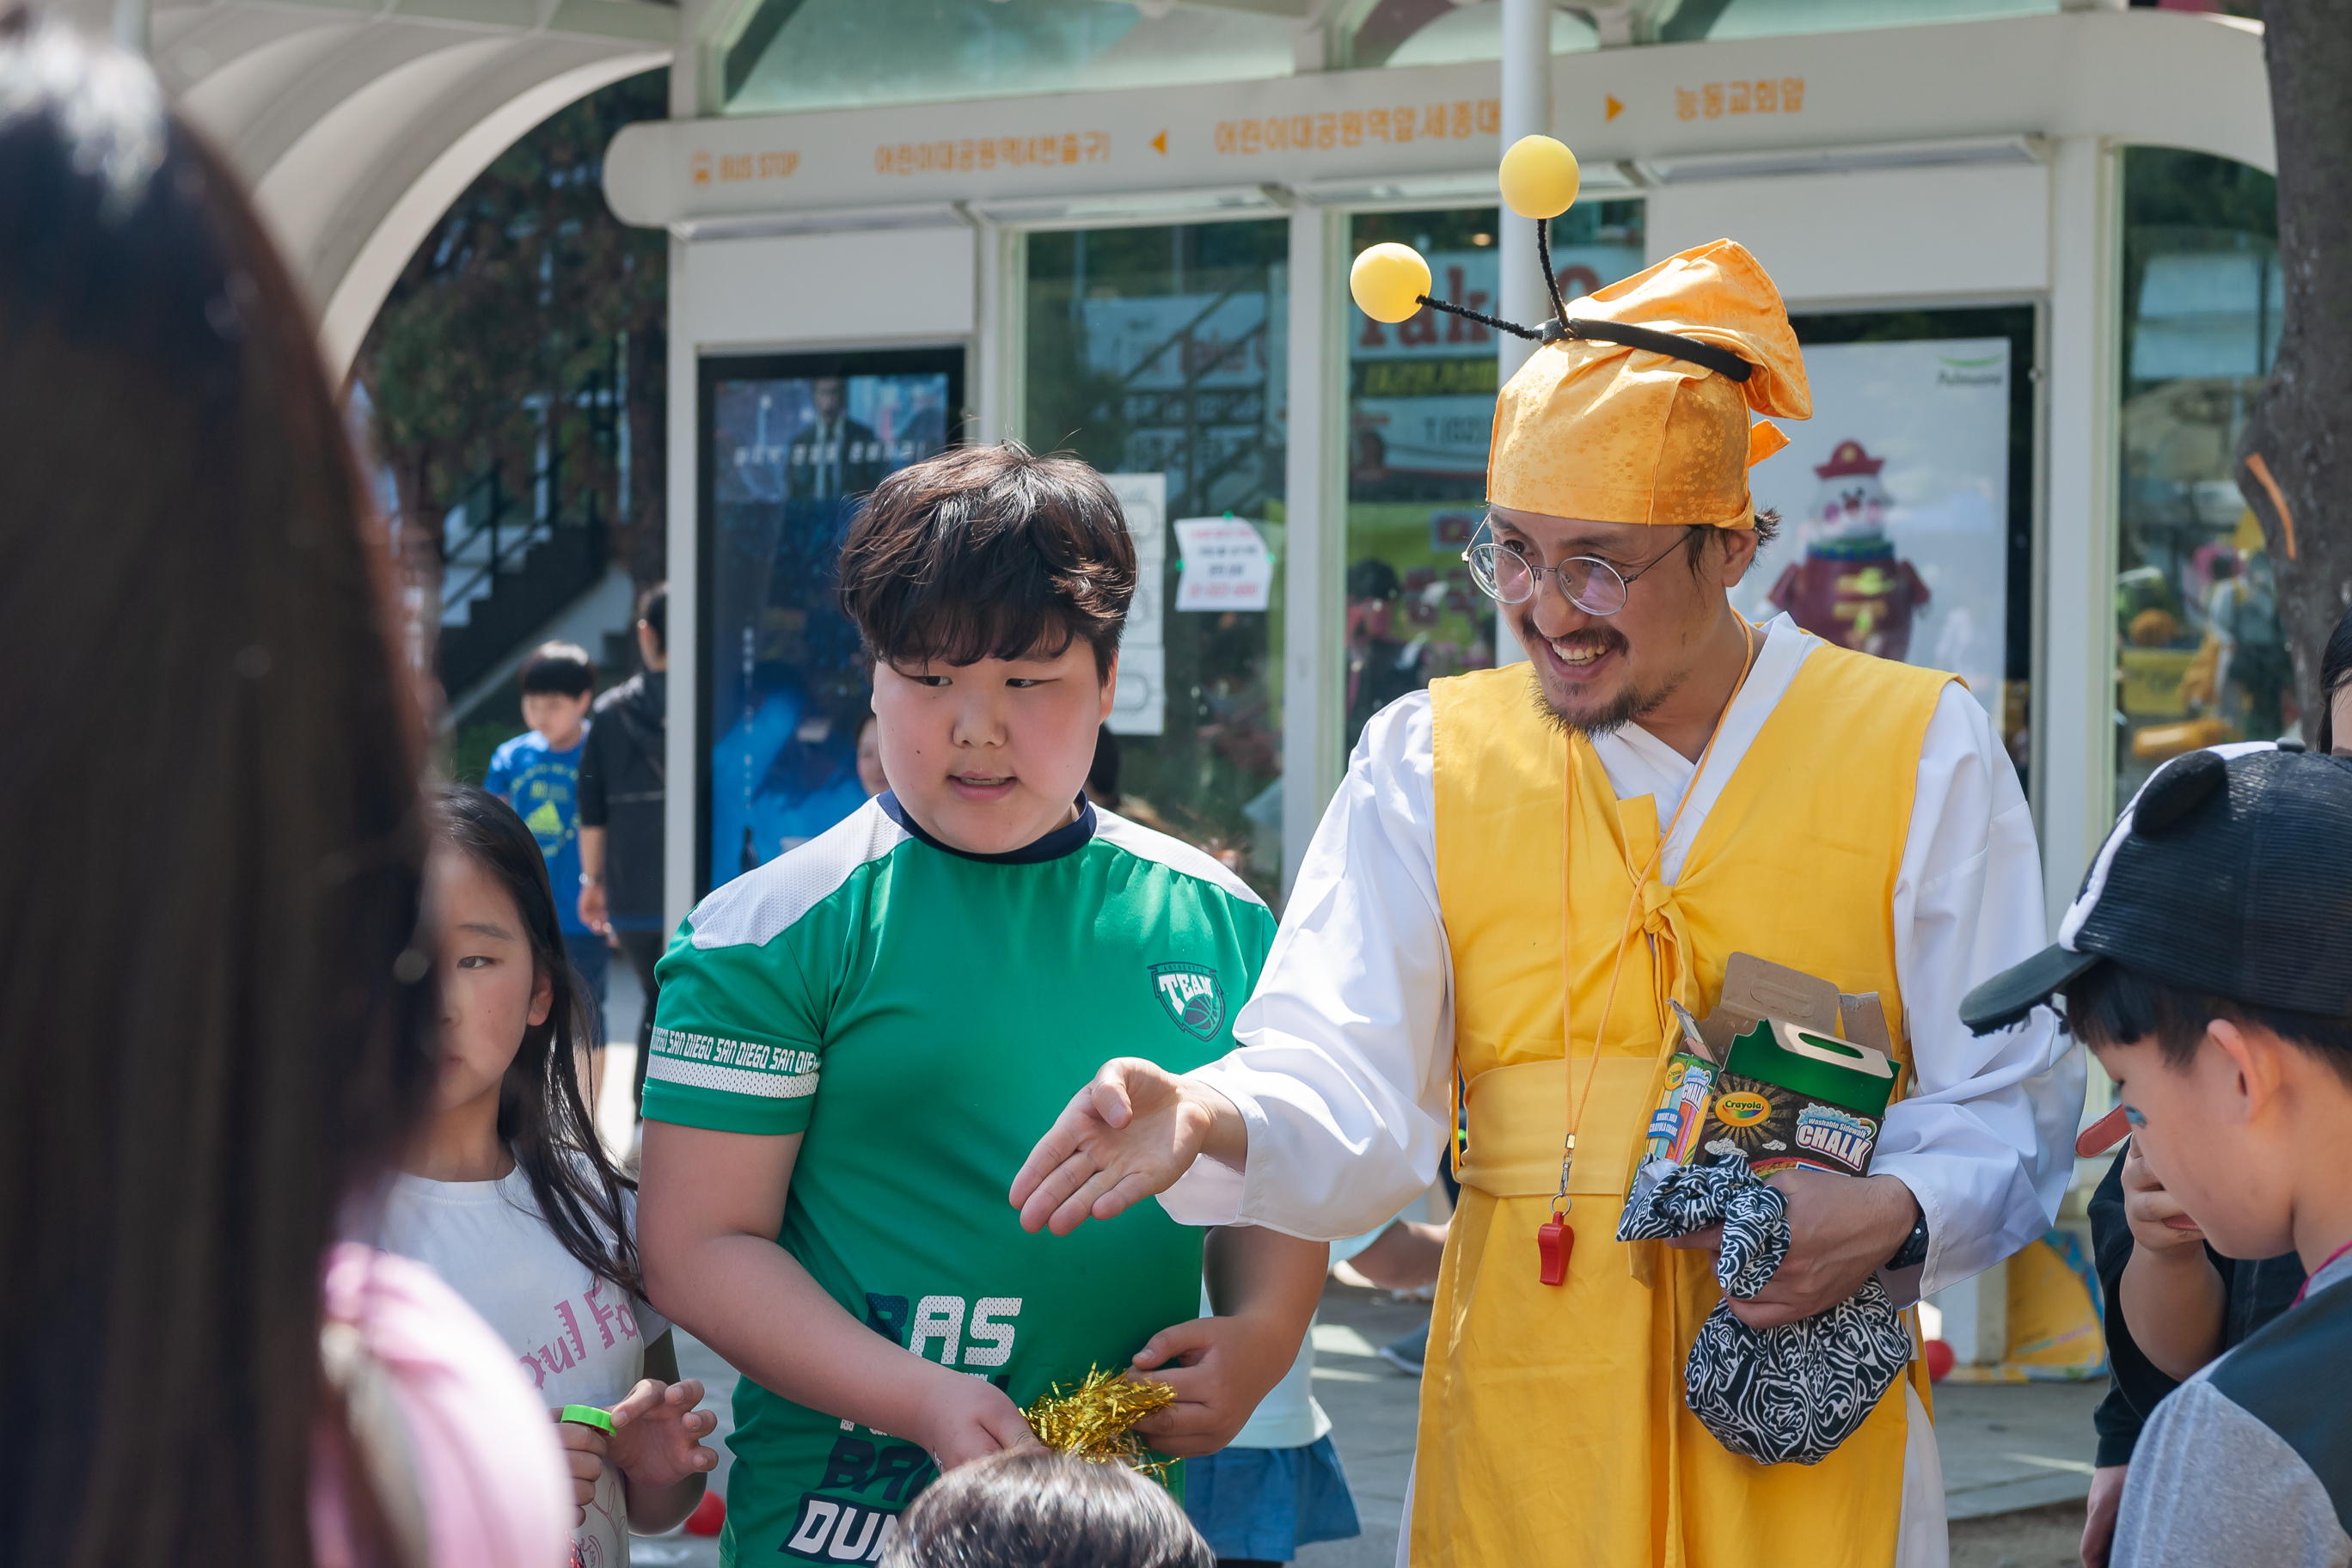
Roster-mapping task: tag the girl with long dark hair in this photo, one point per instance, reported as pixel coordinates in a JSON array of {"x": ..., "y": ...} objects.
[
  {"x": 512, "y": 1200},
  {"x": 213, "y": 1003}
]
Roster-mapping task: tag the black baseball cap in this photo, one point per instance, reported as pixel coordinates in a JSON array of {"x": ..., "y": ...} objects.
[{"x": 2230, "y": 873}]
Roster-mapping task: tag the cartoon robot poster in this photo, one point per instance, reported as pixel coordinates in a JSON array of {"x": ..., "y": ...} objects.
[
  {"x": 1851, "y": 588},
  {"x": 1893, "y": 500}
]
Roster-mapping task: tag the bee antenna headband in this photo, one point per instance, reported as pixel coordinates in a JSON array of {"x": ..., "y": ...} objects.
[
  {"x": 1540, "y": 181},
  {"x": 1723, "y": 361}
]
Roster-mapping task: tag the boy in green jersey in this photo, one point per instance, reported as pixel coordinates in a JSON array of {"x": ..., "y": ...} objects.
[{"x": 858, "y": 1043}]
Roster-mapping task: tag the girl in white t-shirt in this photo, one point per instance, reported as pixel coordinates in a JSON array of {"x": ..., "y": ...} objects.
[{"x": 509, "y": 1196}]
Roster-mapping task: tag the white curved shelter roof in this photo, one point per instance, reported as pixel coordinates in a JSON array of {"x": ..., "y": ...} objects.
[{"x": 357, "y": 124}]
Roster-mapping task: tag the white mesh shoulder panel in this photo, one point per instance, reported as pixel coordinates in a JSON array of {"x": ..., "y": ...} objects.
[
  {"x": 1173, "y": 853},
  {"x": 755, "y": 907}
]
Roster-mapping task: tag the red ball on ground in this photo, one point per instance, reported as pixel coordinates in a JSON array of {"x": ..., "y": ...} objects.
[
  {"x": 709, "y": 1515},
  {"x": 1940, "y": 1357}
]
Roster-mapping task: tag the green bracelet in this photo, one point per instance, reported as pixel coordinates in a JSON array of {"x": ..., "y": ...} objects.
[{"x": 587, "y": 1416}]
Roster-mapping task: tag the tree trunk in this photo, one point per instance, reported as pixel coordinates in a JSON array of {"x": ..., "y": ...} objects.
[{"x": 2294, "y": 461}]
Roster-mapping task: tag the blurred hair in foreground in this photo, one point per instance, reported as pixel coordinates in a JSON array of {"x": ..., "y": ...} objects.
[{"x": 210, "y": 1010}]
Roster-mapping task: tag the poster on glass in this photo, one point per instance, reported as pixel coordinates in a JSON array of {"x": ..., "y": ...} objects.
[
  {"x": 791, "y": 448},
  {"x": 1420, "y": 415},
  {"x": 1894, "y": 503}
]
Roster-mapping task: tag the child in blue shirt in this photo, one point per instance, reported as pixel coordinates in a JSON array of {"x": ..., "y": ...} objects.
[{"x": 538, "y": 773}]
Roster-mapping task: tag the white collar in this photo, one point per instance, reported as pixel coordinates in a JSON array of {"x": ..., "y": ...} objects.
[{"x": 1639, "y": 763}]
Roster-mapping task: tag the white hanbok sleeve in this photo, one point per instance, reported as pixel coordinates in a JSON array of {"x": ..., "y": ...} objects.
[
  {"x": 1985, "y": 1138},
  {"x": 1341, "y": 1072}
]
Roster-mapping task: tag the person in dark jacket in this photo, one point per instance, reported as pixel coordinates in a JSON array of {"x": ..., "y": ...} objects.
[{"x": 622, "y": 784}]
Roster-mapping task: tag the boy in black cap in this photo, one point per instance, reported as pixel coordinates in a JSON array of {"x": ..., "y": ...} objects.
[{"x": 2208, "y": 961}]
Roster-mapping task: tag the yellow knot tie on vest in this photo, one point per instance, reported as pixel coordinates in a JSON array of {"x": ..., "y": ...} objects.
[{"x": 1664, "y": 922}]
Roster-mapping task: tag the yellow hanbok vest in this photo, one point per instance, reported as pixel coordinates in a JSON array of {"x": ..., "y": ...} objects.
[{"x": 1552, "y": 1428}]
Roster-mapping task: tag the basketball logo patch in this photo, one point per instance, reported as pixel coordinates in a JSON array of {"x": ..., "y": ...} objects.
[{"x": 1194, "y": 998}]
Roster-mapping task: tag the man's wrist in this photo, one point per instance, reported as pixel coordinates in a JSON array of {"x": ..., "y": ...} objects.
[{"x": 1906, "y": 1217}]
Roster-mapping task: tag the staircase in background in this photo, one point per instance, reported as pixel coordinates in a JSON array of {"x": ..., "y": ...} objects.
[{"x": 512, "y": 562}]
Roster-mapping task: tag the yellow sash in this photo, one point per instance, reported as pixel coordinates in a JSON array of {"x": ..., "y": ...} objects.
[{"x": 1552, "y": 1424}]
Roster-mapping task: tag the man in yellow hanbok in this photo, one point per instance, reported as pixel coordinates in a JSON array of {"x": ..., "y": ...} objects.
[{"x": 1522, "y": 868}]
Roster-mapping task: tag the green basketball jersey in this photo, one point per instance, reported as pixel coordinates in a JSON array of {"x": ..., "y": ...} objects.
[{"x": 923, "y": 1015}]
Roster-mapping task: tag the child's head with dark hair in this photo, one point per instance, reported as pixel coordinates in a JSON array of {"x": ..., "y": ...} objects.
[
  {"x": 2236, "y": 1106},
  {"x": 989, "y": 553},
  {"x": 558, "y": 666},
  {"x": 1033, "y": 1510},
  {"x": 512, "y": 1014},
  {"x": 990, "y": 586},
  {"x": 2110, "y": 1005},
  {"x": 2207, "y": 964},
  {"x": 558, "y": 685}
]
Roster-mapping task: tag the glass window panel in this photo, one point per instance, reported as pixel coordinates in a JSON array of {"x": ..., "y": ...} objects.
[
  {"x": 1906, "y": 500},
  {"x": 1443, "y": 32},
  {"x": 792, "y": 445},
  {"x": 1158, "y": 356},
  {"x": 1777, "y": 18},
  {"x": 1420, "y": 409},
  {"x": 834, "y": 54},
  {"x": 2199, "y": 658}
]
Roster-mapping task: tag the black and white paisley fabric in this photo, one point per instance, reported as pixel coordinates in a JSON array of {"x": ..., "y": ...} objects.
[
  {"x": 1791, "y": 1394},
  {"x": 1784, "y": 1396},
  {"x": 1675, "y": 1200}
]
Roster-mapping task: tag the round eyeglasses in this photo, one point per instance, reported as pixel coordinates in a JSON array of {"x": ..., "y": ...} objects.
[{"x": 1588, "y": 583}]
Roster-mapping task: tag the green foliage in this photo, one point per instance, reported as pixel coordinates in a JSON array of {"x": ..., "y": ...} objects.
[{"x": 527, "y": 294}]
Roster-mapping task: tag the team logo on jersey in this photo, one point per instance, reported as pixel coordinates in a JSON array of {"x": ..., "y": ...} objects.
[{"x": 1193, "y": 997}]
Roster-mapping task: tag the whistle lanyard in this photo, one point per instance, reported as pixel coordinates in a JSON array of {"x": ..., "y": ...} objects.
[{"x": 1556, "y": 1238}]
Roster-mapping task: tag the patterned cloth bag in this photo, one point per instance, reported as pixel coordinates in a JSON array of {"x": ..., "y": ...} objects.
[{"x": 1789, "y": 1395}]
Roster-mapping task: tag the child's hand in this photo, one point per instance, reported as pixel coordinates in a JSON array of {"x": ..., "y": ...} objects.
[
  {"x": 1225, "y": 1365},
  {"x": 966, "y": 1418},
  {"x": 583, "y": 1450},
  {"x": 656, "y": 1432},
  {"x": 2158, "y": 1221}
]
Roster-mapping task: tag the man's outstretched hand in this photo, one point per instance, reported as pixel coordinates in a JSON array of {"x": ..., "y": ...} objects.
[{"x": 1127, "y": 1135}]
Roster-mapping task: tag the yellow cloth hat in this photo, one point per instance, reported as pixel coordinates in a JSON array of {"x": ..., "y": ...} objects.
[{"x": 1605, "y": 433}]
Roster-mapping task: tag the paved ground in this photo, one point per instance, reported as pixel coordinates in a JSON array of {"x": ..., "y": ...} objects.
[
  {"x": 2046, "y": 1537},
  {"x": 2017, "y": 1456}
]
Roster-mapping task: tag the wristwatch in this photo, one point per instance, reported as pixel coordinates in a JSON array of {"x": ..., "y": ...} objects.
[
  {"x": 587, "y": 880},
  {"x": 1914, "y": 1250}
]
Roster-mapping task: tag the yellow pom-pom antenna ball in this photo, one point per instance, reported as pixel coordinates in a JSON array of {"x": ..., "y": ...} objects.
[
  {"x": 1388, "y": 281},
  {"x": 1539, "y": 177}
]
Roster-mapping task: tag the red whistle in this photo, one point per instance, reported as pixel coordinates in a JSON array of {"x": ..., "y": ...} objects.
[{"x": 1554, "y": 1241}]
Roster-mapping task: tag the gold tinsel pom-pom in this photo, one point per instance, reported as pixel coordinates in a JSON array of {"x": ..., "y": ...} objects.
[{"x": 1095, "y": 1420}]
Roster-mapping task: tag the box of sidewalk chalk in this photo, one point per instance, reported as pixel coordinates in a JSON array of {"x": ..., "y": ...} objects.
[
  {"x": 1785, "y": 1071},
  {"x": 1788, "y": 1097}
]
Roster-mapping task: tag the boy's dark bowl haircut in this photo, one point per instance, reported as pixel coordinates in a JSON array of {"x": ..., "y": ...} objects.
[
  {"x": 562, "y": 668},
  {"x": 2110, "y": 1005},
  {"x": 1037, "y": 1509},
  {"x": 989, "y": 553}
]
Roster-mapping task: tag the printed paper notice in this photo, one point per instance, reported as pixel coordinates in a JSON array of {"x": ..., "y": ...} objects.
[
  {"x": 1139, "y": 707},
  {"x": 1226, "y": 564}
]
